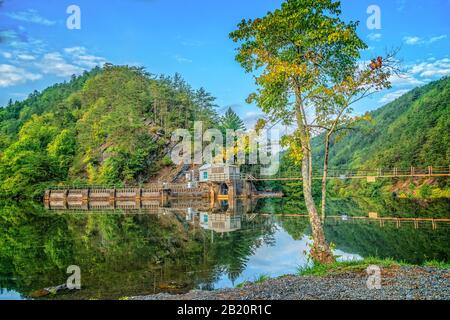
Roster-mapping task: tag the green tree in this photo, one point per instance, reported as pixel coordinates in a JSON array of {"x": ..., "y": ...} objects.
[
  {"x": 25, "y": 163},
  {"x": 231, "y": 121},
  {"x": 205, "y": 108},
  {"x": 297, "y": 50},
  {"x": 63, "y": 149}
]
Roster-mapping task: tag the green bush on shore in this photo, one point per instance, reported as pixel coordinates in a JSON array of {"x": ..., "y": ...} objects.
[{"x": 359, "y": 266}]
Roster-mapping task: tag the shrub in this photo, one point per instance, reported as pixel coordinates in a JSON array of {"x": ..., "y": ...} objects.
[{"x": 425, "y": 191}]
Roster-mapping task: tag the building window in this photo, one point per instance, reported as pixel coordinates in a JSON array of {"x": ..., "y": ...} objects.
[{"x": 205, "y": 175}]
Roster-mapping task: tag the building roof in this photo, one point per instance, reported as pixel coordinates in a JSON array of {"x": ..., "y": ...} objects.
[
  {"x": 225, "y": 165},
  {"x": 206, "y": 166}
]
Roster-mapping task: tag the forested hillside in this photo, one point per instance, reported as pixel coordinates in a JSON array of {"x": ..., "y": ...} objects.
[
  {"x": 413, "y": 130},
  {"x": 109, "y": 125},
  {"x": 112, "y": 125}
]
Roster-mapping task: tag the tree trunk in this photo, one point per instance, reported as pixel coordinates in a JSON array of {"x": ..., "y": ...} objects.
[
  {"x": 320, "y": 252},
  {"x": 324, "y": 177}
]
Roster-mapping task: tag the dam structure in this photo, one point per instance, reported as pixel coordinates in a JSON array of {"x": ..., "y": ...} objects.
[{"x": 212, "y": 183}]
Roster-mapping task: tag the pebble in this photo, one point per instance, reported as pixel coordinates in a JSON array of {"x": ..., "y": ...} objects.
[{"x": 404, "y": 283}]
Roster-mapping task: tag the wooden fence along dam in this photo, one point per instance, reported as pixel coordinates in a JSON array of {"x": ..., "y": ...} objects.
[{"x": 214, "y": 183}]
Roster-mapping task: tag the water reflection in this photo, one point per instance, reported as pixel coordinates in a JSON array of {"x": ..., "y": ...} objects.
[
  {"x": 196, "y": 244},
  {"x": 10, "y": 295}
]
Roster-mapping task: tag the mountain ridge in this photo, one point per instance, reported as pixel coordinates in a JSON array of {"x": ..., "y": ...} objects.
[{"x": 112, "y": 125}]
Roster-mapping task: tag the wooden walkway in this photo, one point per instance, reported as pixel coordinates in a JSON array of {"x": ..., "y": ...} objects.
[{"x": 370, "y": 174}]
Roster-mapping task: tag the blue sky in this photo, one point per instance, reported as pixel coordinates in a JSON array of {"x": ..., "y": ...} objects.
[{"x": 191, "y": 37}]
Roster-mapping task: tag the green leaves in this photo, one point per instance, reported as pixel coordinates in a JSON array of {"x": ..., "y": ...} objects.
[
  {"x": 63, "y": 148},
  {"x": 26, "y": 163},
  {"x": 295, "y": 50}
]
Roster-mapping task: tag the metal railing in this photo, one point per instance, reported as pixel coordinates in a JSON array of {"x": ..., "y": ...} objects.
[
  {"x": 342, "y": 173},
  {"x": 123, "y": 188},
  {"x": 345, "y": 173},
  {"x": 218, "y": 177}
]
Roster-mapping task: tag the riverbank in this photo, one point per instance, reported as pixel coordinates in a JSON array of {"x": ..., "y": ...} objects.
[{"x": 337, "y": 282}]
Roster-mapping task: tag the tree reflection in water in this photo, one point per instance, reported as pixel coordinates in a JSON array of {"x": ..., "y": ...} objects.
[{"x": 189, "y": 245}]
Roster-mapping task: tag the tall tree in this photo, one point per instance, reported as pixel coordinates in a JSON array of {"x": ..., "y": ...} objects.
[
  {"x": 230, "y": 120},
  {"x": 205, "y": 108},
  {"x": 298, "y": 50}
]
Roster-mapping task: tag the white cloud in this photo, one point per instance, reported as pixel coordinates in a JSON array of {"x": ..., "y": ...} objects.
[
  {"x": 20, "y": 41},
  {"x": 11, "y": 75},
  {"x": 434, "y": 73},
  {"x": 75, "y": 50},
  {"x": 54, "y": 63},
  {"x": 26, "y": 57},
  {"x": 80, "y": 57},
  {"x": 33, "y": 54},
  {"x": 181, "y": 59},
  {"x": 414, "y": 40},
  {"x": 438, "y": 68},
  {"x": 90, "y": 61},
  {"x": 74, "y": 61},
  {"x": 31, "y": 16},
  {"x": 374, "y": 36},
  {"x": 422, "y": 72},
  {"x": 391, "y": 96},
  {"x": 35, "y": 60},
  {"x": 405, "y": 79},
  {"x": 250, "y": 117},
  {"x": 253, "y": 114},
  {"x": 434, "y": 39},
  {"x": 6, "y": 55}
]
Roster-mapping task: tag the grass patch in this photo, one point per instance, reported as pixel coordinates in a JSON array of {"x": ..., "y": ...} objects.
[
  {"x": 361, "y": 265},
  {"x": 437, "y": 264},
  {"x": 259, "y": 279},
  {"x": 241, "y": 285},
  {"x": 346, "y": 266}
]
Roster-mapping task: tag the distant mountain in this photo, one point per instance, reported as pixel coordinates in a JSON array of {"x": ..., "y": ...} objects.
[
  {"x": 109, "y": 126},
  {"x": 413, "y": 130}
]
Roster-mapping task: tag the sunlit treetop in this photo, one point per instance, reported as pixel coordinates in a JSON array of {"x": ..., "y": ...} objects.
[{"x": 295, "y": 49}]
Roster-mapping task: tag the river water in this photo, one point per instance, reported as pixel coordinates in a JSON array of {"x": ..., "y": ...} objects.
[{"x": 186, "y": 246}]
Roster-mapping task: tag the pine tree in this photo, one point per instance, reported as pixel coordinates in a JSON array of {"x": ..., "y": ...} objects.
[{"x": 231, "y": 121}]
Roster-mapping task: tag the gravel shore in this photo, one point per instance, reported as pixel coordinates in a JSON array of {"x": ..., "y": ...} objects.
[{"x": 398, "y": 283}]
